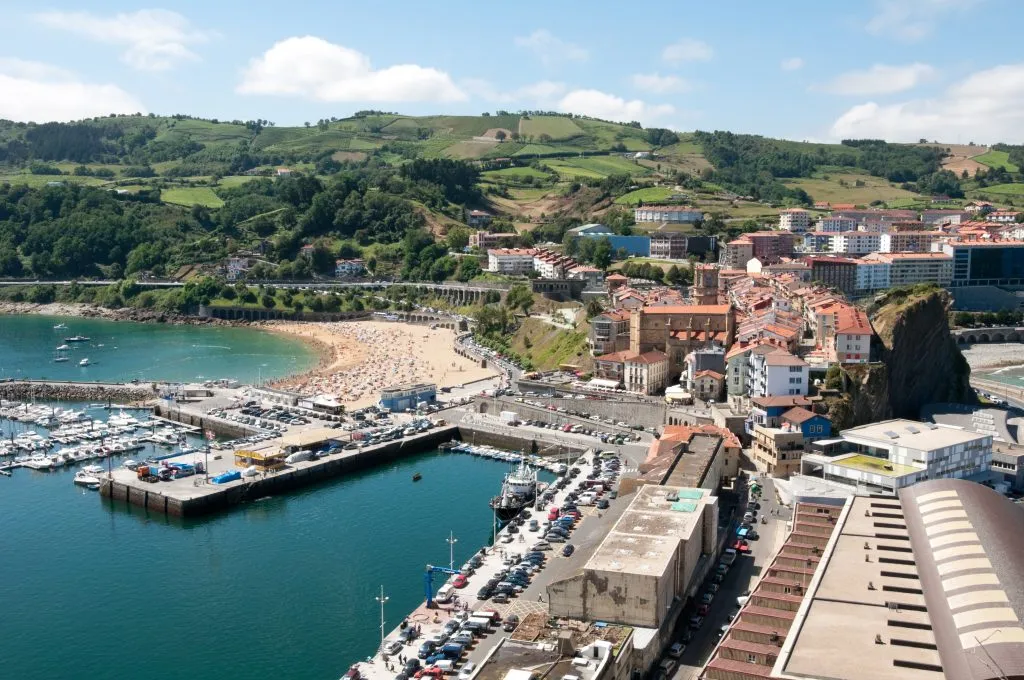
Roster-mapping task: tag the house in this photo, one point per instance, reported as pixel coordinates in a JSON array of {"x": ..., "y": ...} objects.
[
  {"x": 645, "y": 373},
  {"x": 615, "y": 281},
  {"x": 283, "y": 172},
  {"x": 778, "y": 450},
  {"x": 941, "y": 199},
  {"x": 777, "y": 373},
  {"x": 478, "y": 218},
  {"x": 306, "y": 250},
  {"x": 979, "y": 207},
  {"x": 814, "y": 426},
  {"x": 707, "y": 385},
  {"x": 768, "y": 411},
  {"x": 349, "y": 268},
  {"x": 852, "y": 337},
  {"x": 1004, "y": 216},
  {"x": 236, "y": 267}
]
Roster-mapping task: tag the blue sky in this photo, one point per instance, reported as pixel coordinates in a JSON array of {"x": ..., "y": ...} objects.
[{"x": 800, "y": 69}]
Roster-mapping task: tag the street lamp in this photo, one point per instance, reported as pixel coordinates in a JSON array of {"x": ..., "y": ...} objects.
[
  {"x": 382, "y": 598},
  {"x": 451, "y": 540}
]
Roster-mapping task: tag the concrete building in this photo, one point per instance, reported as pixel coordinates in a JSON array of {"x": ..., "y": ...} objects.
[
  {"x": 872, "y": 275},
  {"x": 485, "y": 240},
  {"x": 770, "y": 246},
  {"x": 648, "y": 559},
  {"x": 678, "y": 330},
  {"x": 943, "y": 217},
  {"x": 835, "y": 224},
  {"x": 398, "y": 398},
  {"x": 794, "y": 220},
  {"x": 510, "y": 260},
  {"x": 777, "y": 373},
  {"x": 609, "y": 332},
  {"x": 857, "y": 242},
  {"x": 592, "y": 275},
  {"x": 777, "y": 450},
  {"x": 349, "y": 268},
  {"x": 737, "y": 253},
  {"x": 676, "y": 245},
  {"x": 908, "y": 241},
  {"x": 923, "y": 586},
  {"x": 1008, "y": 462},
  {"x": 835, "y": 272},
  {"x": 986, "y": 263},
  {"x": 907, "y": 269},
  {"x": 670, "y": 214},
  {"x": 887, "y": 456},
  {"x": 638, "y": 245}
]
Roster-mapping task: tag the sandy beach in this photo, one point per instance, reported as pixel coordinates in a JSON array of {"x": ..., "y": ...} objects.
[{"x": 359, "y": 358}]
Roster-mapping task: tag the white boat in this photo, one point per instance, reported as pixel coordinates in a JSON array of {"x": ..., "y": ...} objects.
[
  {"x": 63, "y": 348},
  {"x": 84, "y": 362},
  {"x": 60, "y": 327},
  {"x": 93, "y": 469},
  {"x": 83, "y": 478}
]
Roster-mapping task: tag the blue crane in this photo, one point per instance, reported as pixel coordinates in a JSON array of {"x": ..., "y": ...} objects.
[{"x": 428, "y": 581}]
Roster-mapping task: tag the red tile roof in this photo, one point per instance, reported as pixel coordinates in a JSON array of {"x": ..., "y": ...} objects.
[
  {"x": 688, "y": 309},
  {"x": 798, "y": 415}
]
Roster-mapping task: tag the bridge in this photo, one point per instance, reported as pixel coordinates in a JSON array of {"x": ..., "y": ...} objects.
[{"x": 972, "y": 336}]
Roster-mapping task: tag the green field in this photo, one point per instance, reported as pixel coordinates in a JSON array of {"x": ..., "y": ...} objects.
[
  {"x": 596, "y": 166},
  {"x": 515, "y": 173},
  {"x": 189, "y": 196},
  {"x": 555, "y": 127},
  {"x": 36, "y": 181},
  {"x": 647, "y": 195},
  {"x": 874, "y": 188},
  {"x": 232, "y": 181},
  {"x": 568, "y": 170},
  {"x": 1013, "y": 189},
  {"x": 995, "y": 159}
]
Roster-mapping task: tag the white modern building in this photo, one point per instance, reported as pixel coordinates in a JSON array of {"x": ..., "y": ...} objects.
[
  {"x": 777, "y": 373},
  {"x": 872, "y": 275},
  {"x": 671, "y": 214},
  {"x": 510, "y": 260},
  {"x": 795, "y": 220},
  {"x": 892, "y": 454},
  {"x": 857, "y": 242},
  {"x": 836, "y": 224}
]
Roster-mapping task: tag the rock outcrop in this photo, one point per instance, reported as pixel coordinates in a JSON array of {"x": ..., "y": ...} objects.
[{"x": 918, "y": 363}]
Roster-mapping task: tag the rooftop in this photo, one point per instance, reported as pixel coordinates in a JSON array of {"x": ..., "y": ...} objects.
[
  {"x": 912, "y": 434},
  {"x": 873, "y": 465}
]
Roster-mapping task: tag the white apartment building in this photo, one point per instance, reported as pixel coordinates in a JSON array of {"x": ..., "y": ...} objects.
[
  {"x": 510, "y": 260},
  {"x": 892, "y": 454},
  {"x": 836, "y": 224},
  {"x": 795, "y": 220},
  {"x": 682, "y": 214},
  {"x": 872, "y": 276},
  {"x": 777, "y": 374},
  {"x": 857, "y": 242},
  {"x": 852, "y": 337},
  {"x": 907, "y": 269}
]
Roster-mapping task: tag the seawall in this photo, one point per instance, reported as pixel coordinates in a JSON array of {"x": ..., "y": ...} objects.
[{"x": 115, "y": 393}]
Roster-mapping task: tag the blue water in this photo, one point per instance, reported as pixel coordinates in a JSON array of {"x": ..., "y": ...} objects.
[
  {"x": 146, "y": 351},
  {"x": 282, "y": 587}
]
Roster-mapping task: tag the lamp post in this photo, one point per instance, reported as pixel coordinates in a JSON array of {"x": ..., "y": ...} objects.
[
  {"x": 382, "y": 598},
  {"x": 451, "y": 540}
]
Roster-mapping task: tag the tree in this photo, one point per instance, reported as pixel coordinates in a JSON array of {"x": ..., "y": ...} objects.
[
  {"x": 457, "y": 238},
  {"x": 500, "y": 135},
  {"x": 520, "y": 297},
  {"x": 602, "y": 256},
  {"x": 267, "y": 301},
  {"x": 594, "y": 307},
  {"x": 674, "y": 276}
]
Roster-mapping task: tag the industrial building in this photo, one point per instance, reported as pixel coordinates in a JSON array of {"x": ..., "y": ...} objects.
[
  {"x": 408, "y": 396},
  {"x": 649, "y": 561}
]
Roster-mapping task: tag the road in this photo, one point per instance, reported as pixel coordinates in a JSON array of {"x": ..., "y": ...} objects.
[{"x": 740, "y": 580}]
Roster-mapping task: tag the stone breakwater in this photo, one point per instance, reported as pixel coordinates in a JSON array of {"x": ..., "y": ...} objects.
[
  {"x": 87, "y": 311},
  {"x": 43, "y": 391}
]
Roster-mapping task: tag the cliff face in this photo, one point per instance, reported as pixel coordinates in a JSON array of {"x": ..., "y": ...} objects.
[
  {"x": 923, "y": 362},
  {"x": 918, "y": 363}
]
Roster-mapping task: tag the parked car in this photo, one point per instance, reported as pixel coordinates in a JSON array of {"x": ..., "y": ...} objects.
[
  {"x": 568, "y": 550},
  {"x": 676, "y": 650},
  {"x": 467, "y": 671},
  {"x": 511, "y": 621}
]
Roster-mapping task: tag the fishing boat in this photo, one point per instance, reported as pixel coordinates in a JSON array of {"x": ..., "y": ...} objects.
[
  {"x": 518, "y": 491},
  {"x": 84, "y": 362},
  {"x": 77, "y": 338}
]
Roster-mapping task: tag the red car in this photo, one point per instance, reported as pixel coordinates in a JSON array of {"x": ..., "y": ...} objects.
[
  {"x": 431, "y": 672},
  {"x": 460, "y": 581},
  {"x": 703, "y": 609},
  {"x": 353, "y": 673},
  {"x": 741, "y": 547}
]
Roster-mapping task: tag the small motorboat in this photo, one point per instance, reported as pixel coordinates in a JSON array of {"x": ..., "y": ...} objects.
[
  {"x": 77, "y": 338},
  {"x": 417, "y": 477},
  {"x": 83, "y": 478},
  {"x": 60, "y": 327},
  {"x": 84, "y": 362},
  {"x": 64, "y": 348},
  {"x": 60, "y": 359}
]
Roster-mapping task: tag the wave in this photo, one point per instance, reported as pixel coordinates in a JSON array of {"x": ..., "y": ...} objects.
[{"x": 213, "y": 346}]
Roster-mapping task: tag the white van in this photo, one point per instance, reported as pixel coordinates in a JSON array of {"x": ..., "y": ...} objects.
[
  {"x": 446, "y": 665},
  {"x": 444, "y": 593},
  {"x": 586, "y": 499}
]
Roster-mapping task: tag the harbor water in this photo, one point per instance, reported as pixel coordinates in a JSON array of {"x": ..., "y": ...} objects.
[
  {"x": 282, "y": 587},
  {"x": 145, "y": 351}
]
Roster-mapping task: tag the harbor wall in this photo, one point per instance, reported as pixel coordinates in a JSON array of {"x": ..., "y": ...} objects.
[
  {"x": 516, "y": 440},
  {"x": 219, "y": 426},
  {"x": 39, "y": 390},
  {"x": 648, "y": 415},
  {"x": 158, "y": 498}
]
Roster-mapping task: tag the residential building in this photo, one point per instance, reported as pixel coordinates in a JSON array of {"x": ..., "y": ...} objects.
[
  {"x": 708, "y": 385},
  {"x": 835, "y": 272},
  {"x": 1004, "y": 216},
  {"x": 552, "y": 265},
  {"x": 478, "y": 218},
  {"x": 777, "y": 373},
  {"x": 676, "y": 245},
  {"x": 872, "y": 215},
  {"x": 609, "y": 332},
  {"x": 908, "y": 241},
  {"x": 943, "y": 217},
  {"x": 907, "y": 269},
  {"x": 813, "y": 426},
  {"x": 768, "y": 411},
  {"x": 646, "y": 564},
  {"x": 872, "y": 275},
  {"x": 818, "y": 242},
  {"x": 510, "y": 260},
  {"x": 709, "y": 358},
  {"x": 645, "y": 373},
  {"x": 592, "y": 275},
  {"x": 979, "y": 207},
  {"x": 614, "y": 282},
  {"x": 349, "y": 268},
  {"x": 283, "y": 172},
  {"x": 485, "y": 240},
  {"x": 770, "y": 246},
  {"x": 852, "y": 337},
  {"x": 835, "y": 224},
  {"x": 887, "y": 456},
  {"x": 777, "y": 450},
  {"x": 737, "y": 253},
  {"x": 794, "y": 220},
  {"x": 670, "y": 214},
  {"x": 236, "y": 267},
  {"x": 612, "y": 366},
  {"x": 857, "y": 242}
]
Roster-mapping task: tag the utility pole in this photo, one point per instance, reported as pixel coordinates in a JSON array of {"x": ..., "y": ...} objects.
[
  {"x": 451, "y": 540},
  {"x": 382, "y": 598}
]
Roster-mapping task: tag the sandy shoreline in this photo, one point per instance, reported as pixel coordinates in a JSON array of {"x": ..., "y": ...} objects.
[
  {"x": 986, "y": 357},
  {"x": 359, "y": 358}
]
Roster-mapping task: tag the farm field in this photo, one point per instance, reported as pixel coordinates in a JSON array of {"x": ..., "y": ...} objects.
[
  {"x": 189, "y": 196},
  {"x": 874, "y": 188},
  {"x": 567, "y": 170},
  {"x": 646, "y": 195},
  {"x": 232, "y": 181},
  {"x": 1015, "y": 189},
  {"x": 555, "y": 127},
  {"x": 596, "y": 166},
  {"x": 514, "y": 173},
  {"x": 995, "y": 159},
  {"x": 36, "y": 181}
]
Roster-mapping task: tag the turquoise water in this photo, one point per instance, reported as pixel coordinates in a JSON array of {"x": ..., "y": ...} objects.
[
  {"x": 146, "y": 351},
  {"x": 283, "y": 587}
]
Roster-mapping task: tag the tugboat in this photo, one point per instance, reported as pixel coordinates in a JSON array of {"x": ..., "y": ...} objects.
[{"x": 518, "y": 491}]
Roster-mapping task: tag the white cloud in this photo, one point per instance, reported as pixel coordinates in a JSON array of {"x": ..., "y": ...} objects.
[
  {"x": 659, "y": 84},
  {"x": 551, "y": 49},
  {"x": 987, "y": 106},
  {"x": 32, "y": 91},
  {"x": 911, "y": 20},
  {"x": 792, "y": 64},
  {"x": 881, "y": 79},
  {"x": 687, "y": 49},
  {"x": 541, "y": 93},
  {"x": 313, "y": 68},
  {"x": 156, "y": 39},
  {"x": 609, "y": 107}
]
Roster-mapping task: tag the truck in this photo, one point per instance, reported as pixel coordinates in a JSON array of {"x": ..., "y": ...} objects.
[{"x": 509, "y": 417}]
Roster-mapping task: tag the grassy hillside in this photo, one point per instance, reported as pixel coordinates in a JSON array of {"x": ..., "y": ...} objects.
[
  {"x": 997, "y": 159},
  {"x": 548, "y": 346}
]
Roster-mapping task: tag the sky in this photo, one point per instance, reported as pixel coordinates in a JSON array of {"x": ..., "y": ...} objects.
[{"x": 814, "y": 70}]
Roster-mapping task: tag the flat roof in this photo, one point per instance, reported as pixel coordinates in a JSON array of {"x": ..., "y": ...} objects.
[
  {"x": 912, "y": 434},
  {"x": 511, "y": 657},
  {"x": 873, "y": 465},
  {"x": 309, "y": 437},
  {"x": 648, "y": 533}
]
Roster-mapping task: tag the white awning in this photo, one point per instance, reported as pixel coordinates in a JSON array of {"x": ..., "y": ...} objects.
[{"x": 601, "y": 382}]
